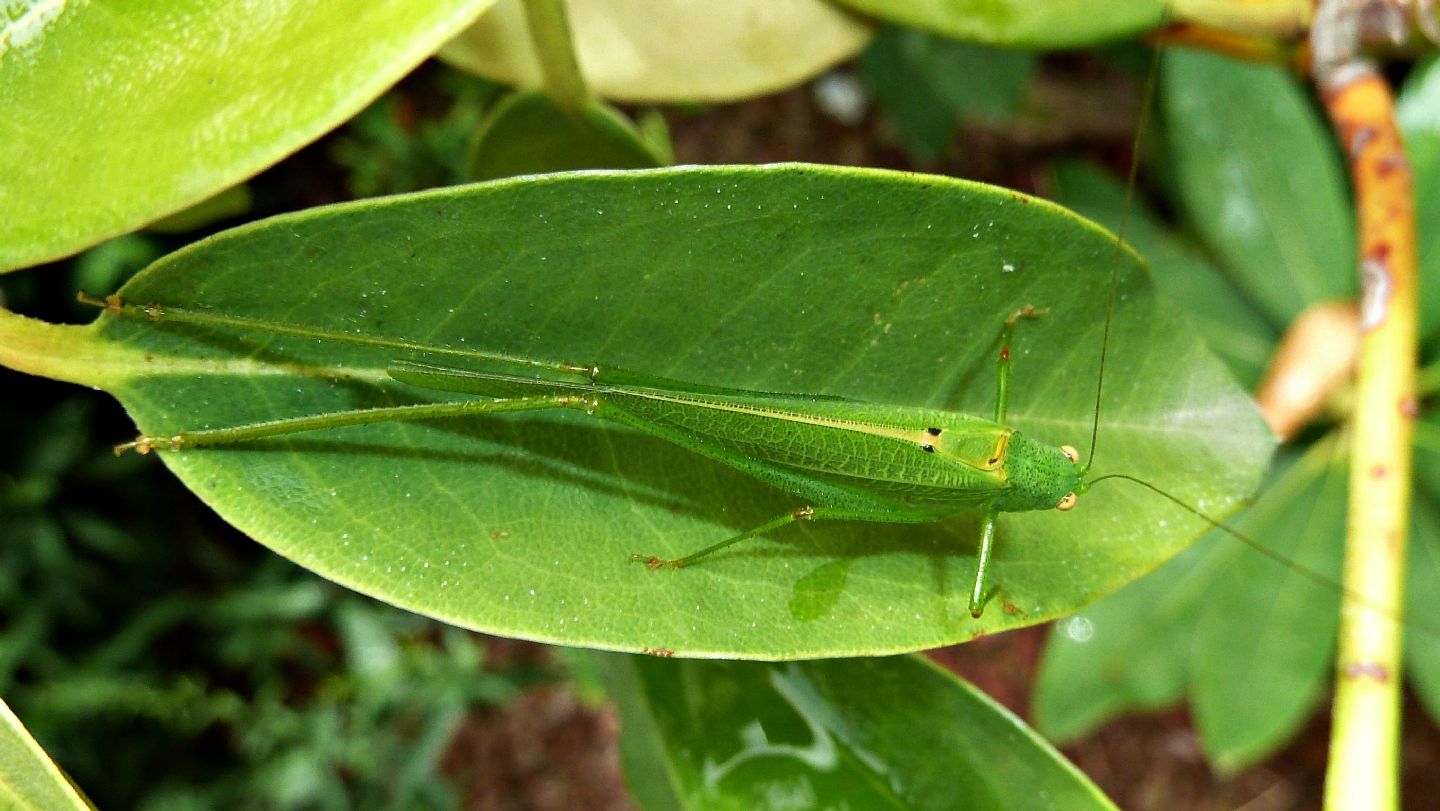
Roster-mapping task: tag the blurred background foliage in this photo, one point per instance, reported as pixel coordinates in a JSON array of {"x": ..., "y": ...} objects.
[{"x": 167, "y": 662}]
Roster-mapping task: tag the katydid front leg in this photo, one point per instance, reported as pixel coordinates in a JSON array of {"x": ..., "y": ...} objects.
[{"x": 979, "y": 596}]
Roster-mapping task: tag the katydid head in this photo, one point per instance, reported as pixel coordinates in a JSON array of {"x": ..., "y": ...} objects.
[{"x": 1042, "y": 477}]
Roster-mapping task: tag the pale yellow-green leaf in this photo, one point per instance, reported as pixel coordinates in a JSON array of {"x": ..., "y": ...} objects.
[
  {"x": 29, "y": 779},
  {"x": 672, "y": 50},
  {"x": 1041, "y": 24},
  {"x": 115, "y": 114}
]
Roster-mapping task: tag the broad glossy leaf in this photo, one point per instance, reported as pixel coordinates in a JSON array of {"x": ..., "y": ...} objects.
[
  {"x": 1250, "y": 698},
  {"x": 118, "y": 114},
  {"x": 1247, "y": 700},
  {"x": 1422, "y": 604},
  {"x": 1126, "y": 653},
  {"x": 893, "y": 732},
  {"x": 1422, "y": 583},
  {"x": 870, "y": 285},
  {"x": 1260, "y": 178},
  {"x": 1227, "y": 321},
  {"x": 670, "y": 51},
  {"x": 1417, "y": 110},
  {"x": 29, "y": 779},
  {"x": 926, "y": 84},
  {"x": 1026, "y": 23},
  {"x": 527, "y": 134}
]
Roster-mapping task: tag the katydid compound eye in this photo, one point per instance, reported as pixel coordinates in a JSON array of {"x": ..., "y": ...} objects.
[
  {"x": 1066, "y": 503},
  {"x": 1071, "y": 454}
]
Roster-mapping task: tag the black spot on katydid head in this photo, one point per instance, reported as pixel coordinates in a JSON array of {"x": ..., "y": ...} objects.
[
  {"x": 933, "y": 431},
  {"x": 928, "y": 448}
]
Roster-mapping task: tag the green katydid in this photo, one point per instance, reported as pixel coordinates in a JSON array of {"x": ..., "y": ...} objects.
[{"x": 844, "y": 460}]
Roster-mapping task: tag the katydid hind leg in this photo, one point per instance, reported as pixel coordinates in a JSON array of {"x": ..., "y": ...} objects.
[{"x": 337, "y": 419}]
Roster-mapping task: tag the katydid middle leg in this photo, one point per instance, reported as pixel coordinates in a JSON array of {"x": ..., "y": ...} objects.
[
  {"x": 979, "y": 594},
  {"x": 877, "y": 514}
]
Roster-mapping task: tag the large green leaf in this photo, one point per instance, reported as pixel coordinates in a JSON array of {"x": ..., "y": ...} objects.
[
  {"x": 670, "y": 51},
  {"x": 1259, "y": 176},
  {"x": 895, "y": 732},
  {"x": 121, "y": 113},
  {"x": 529, "y": 133},
  {"x": 1128, "y": 652},
  {"x": 872, "y": 285},
  {"x": 29, "y": 779},
  {"x": 1050, "y": 24},
  {"x": 1250, "y": 699},
  {"x": 925, "y": 84}
]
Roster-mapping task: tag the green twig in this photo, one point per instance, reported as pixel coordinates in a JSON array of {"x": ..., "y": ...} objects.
[
  {"x": 1364, "y": 745},
  {"x": 555, "y": 48}
]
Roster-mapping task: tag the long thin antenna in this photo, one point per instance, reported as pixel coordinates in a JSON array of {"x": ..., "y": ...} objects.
[
  {"x": 1145, "y": 103},
  {"x": 1309, "y": 574},
  {"x": 115, "y": 305}
]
